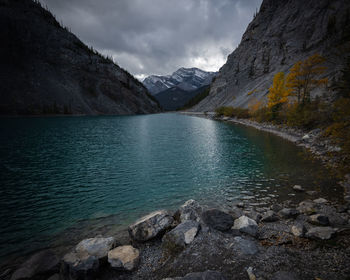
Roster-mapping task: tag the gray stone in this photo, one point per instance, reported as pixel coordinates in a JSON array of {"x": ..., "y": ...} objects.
[
  {"x": 321, "y": 233},
  {"x": 190, "y": 210},
  {"x": 42, "y": 263},
  {"x": 319, "y": 219},
  {"x": 298, "y": 230},
  {"x": 217, "y": 219},
  {"x": 98, "y": 246},
  {"x": 254, "y": 215},
  {"x": 284, "y": 275},
  {"x": 269, "y": 216},
  {"x": 79, "y": 266},
  {"x": 298, "y": 188},
  {"x": 175, "y": 240},
  {"x": 311, "y": 192},
  {"x": 306, "y": 207},
  {"x": 245, "y": 246},
  {"x": 246, "y": 225},
  {"x": 320, "y": 200},
  {"x": 288, "y": 213},
  {"x": 250, "y": 273},
  {"x": 124, "y": 257},
  {"x": 150, "y": 226},
  {"x": 206, "y": 275}
]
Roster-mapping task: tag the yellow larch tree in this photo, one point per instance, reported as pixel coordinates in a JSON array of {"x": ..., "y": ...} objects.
[{"x": 278, "y": 92}]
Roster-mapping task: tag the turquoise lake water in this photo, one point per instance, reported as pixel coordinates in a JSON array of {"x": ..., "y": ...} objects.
[{"x": 63, "y": 176}]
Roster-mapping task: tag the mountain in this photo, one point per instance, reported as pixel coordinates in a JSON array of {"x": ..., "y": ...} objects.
[
  {"x": 282, "y": 33},
  {"x": 175, "y": 98},
  {"x": 45, "y": 69},
  {"x": 187, "y": 79}
]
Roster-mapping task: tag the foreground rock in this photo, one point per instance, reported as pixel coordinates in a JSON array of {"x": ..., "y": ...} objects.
[
  {"x": 269, "y": 216},
  {"x": 306, "y": 207},
  {"x": 150, "y": 226},
  {"x": 42, "y": 263},
  {"x": 246, "y": 225},
  {"x": 287, "y": 213},
  {"x": 124, "y": 257},
  {"x": 206, "y": 275},
  {"x": 321, "y": 233},
  {"x": 217, "y": 219},
  {"x": 85, "y": 259},
  {"x": 175, "y": 240},
  {"x": 190, "y": 210}
]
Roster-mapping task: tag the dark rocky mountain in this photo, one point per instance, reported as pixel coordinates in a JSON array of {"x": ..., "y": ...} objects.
[
  {"x": 45, "y": 69},
  {"x": 282, "y": 33},
  {"x": 187, "y": 79},
  {"x": 175, "y": 98}
]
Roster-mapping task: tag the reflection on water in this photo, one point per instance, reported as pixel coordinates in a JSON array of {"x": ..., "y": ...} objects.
[{"x": 91, "y": 175}]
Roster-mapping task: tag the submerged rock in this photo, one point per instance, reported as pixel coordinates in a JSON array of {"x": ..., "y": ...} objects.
[
  {"x": 42, "y": 263},
  {"x": 321, "y": 233},
  {"x": 246, "y": 225},
  {"x": 175, "y": 240},
  {"x": 150, "y": 226},
  {"x": 206, "y": 275},
  {"x": 319, "y": 219},
  {"x": 320, "y": 200},
  {"x": 124, "y": 257},
  {"x": 218, "y": 219},
  {"x": 190, "y": 210}
]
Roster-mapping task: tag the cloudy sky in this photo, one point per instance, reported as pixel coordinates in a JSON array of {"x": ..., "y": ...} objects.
[{"x": 158, "y": 36}]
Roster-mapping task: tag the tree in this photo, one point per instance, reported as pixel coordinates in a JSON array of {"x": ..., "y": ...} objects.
[
  {"x": 278, "y": 92},
  {"x": 303, "y": 77}
]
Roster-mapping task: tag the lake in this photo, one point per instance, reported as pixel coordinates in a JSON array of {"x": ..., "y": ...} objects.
[{"x": 79, "y": 176}]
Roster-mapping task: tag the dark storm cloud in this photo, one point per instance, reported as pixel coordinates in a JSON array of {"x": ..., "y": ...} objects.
[{"x": 158, "y": 36}]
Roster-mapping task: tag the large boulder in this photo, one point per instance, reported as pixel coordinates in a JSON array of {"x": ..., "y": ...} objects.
[
  {"x": 246, "y": 225},
  {"x": 79, "y": 266},
  {"x": 124, "y": 257},
  {"x": 206, "y": 275},
  {"x": 84, "y": 260},
  {"x": 98, "y": 246},
  {"x": 218, "y": 219},
  {"x": 150, "y": 226},
  {"x": 41, "y": 263},
  {"x": 175, "y": 240},
  {"x": 321, "y": 233},
  {"x": 190, "y": 210}
]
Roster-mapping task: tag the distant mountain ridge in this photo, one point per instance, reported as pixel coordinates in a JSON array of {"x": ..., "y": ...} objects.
[
  {"x": 186, "y": 79},
  {"x": 45, "y": 69}
]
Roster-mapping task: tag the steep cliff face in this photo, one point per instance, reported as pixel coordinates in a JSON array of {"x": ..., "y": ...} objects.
[
  {"x": 45, "y": 69},
  {"x": 283, "y": 32}
]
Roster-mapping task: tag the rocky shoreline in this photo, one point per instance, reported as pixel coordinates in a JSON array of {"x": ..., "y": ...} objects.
[
  {"x": 305, "y": 240},
  {"x": 312, "y": 140}
]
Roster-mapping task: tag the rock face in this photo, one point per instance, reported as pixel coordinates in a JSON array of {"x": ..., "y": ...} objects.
[
  {"x": 42, "y": 263},
  {"x": 246, "y": 225},
  {"x": 217, "y": 219},
  {"x": 176, "y": 240},
  {"x": 187, "y": 79},
  {"x": 124, "y": 257},
  {"x": 45, "y": 69},
  {"x": 150, "y": 226},
  {"x": 282, "y": 33}
]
